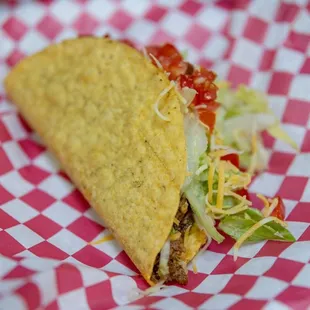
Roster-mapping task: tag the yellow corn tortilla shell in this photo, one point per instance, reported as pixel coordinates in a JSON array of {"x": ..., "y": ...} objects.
[{"x": 91, "y": 100}]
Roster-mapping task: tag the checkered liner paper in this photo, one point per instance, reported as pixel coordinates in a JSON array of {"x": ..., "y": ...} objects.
[{"x": 46, "y": 226}]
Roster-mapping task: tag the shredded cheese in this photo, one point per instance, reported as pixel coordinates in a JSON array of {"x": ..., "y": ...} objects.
[
  {"x": 228, "y": 211},
  {"x": 175, "y": 236},
  {"x": 176, "y": 221},
  {"x": 210, "y": 181},
  {"x": 158, "y": 64},
  {"x": 220, "y": 189},
  {"x": 264, "y": 200},
  {"x": 250, "y": 232},
  {"x": 201, "y": 169},
  {"x": 202, "y": 250},
  {"x": 102, "y": 240},
  {"x": 160, "y": 96},
  {"x": 243, "y": 198},
  {"x": 267, "y": 211}
]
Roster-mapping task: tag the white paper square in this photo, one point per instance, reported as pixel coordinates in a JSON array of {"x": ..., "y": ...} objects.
[
  {"x": 208, "y": 261},
  {"x": 170, "y": 303},
  {"x": 222, "y": 69},
  {"x": 191, "y": 54},
  {"x": 278, "y": 105},
  {"x": 297, "y": 251},
  {"x": 19, "y": 210},
  {"x": 302, "y": 22},
  {"x": 170, "y": 291},
  {"x": 260, "y": 81},
  {"x": 220, "y": 301},
  {"x": 13, "y": 302},
  {"x": 111, "y": 248},
  {"x": 258, "y": 9},
  {"x": 15, "y": 184},
  {"x": 7, "y": 265},
  {"x": 66, "y": 34},
  {"x": 297, "y": 228},
  {"x": 216, "y": 47},
  {"x": 67, "y": 241},
  {"x": 289, "y": 206},
  {"x": 48, "y": 285},
  {"x": 300, "y": 87},
  {"x": 65, "y": 11},
  {"x": 276, "y": 305},
  {"x": 212, "y": 18},
  {"x": 29, "y": 12},
  {"x": 56, "y": 186},
  {"x": 117, "y": 267},
  {"x": 14, "y": 126},
  {"x": 33, "y": 42},
  {"x": 47, "y": 162},
  {"x": 120, "y": 286},
  {"x": 288, "y": 60},
  {"x": 247, "y": 54},
  {"x": 249, "y": 250},
  {"x": 239, "y": 19},
  {"x": 15, "y": 154},
  {"x": 266, "y": 288},
  {"x": 92, "y": 276},
  {"x": 7, "y": 45},
  {"x": 136, "y": 8},
  {"x": 302, "y": 278},
  {"x": 10, "y": 285},
  {"x": 75, "y": 297},
  {"x": 267, "y": 184},
  {"x": 170, "y": 3},
  {"x": 276, "y": 34},
  {"x": 176, "y": 23},
  {"x": 213, "y": 284},
  {"x": 257, "y": 266},
  {"x": 61, "y": 213},
  {"x": 300, "y": 166},
  {"x": 306, "y": 195},
  {"x": 141, "y": 30},
  {"x": 24, "y": 235},
  {"x": 40, "y": 263}
]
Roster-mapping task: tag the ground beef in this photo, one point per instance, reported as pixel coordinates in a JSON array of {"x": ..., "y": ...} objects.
[{"x": 177, "y": 268}]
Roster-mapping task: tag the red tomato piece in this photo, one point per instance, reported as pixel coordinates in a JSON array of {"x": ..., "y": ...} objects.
[
  {"x": 233, "y": 158},
  {"x": 279, "y": 210},
  {"x": 207, "y": 117},
  {"x": 243, "y": 192}
]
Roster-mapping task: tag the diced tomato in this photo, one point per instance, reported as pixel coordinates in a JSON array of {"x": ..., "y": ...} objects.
[
  {"x": 207, "y": 117},
  {"x": 233, "y": 158},
  {"x": 279, "y": 210},
  {"x": 243, "y": 192}
]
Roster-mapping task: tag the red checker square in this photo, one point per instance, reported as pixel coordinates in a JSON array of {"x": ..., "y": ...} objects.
[
  {"x": 239, "y": 284},
  {"x": 4, "y": 134},
  {"x": 197, "y": 36},
  {"x": 230, "y": 48},
  {"x": 5, "y": 165},
  {"x": 193, "y": 299},
  {"x": 49, "y": 26},
  {"x": 255, "y": 29},
  {"x": 99, "y": 294},
  {"x": 297, "y": 112},
  {"x": 272, "y": 248},
  {"x": 306, "y": 67},
  {"x": 286, "y": 12},
  {"x": 8, "y": 245},
  {"x": 191, "y": 7},
  {"x": 238, "y": 76},
  {"x": 296, "y": 297},
  {"x": 248, "y": 304},
  {"x": 46, "y": 2},
  {"x": 298, "y": 41},
  {"x": 14, "y": 28},
  {"x": 68, "y": 278},
  {"x": 229, "y": 266},
  {"x": 77, "y": 201},
  {"x": 306, "y": 235},
  {"x": 24, "y": 124},
  {"x": 293, "y": 187},
  {"x": 19, "y": 272},
  {"x": 160, "y": 37},
  {"x": 123, "y": 258},
  {"x": 5, "y": 196},
  {"x": 64, "y": 175},
  {"x": 205, "y": 63},
  {"x": 31, "y": 295},
  {"x": 52, "y": 306},
  {"x": 193, "y": 280},
  {"x": 268, "y": 140},
  {"x": 267, "y": 60},
  {"x": 300, "y": 213},
  {"x": 31, "y": 148},
  {"x": 92, "y": 257},
  {"x": 33, "y": 174},
  {"x": 14, "y": 57},
  {"x": 46, "y": 249},
  {"x": 85, "y": 228},
  {"x": 156, "y": 13},
  {"x": 120, "y": 20},
  {"x": 280, "y": 83},
  {"x": 241, "y": 4},
  {"x": 6, "y": 220},
  {"x": 224, "y": 247},
  {"x": 85, "y": 24},
  {"x": 291, "y": 269},
  {"x": 43, "y": 226},
  {"x": 38, "y": 199},
  {"x": 306, "y": 143},
  {"x": 148, "y": 300},
  {"x": 280, "y": 162}
]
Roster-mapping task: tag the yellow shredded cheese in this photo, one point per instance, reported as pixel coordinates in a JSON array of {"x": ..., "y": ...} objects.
[
  {"x": 243, "y": 198},
  {"x": 263, "y": 199},
  {"x": 176, "y": 221},
  {"x": 158, "y": 64},
  {"x": 160, "y": 96},
  {"x": 175, "y": 236},
  {"x": 220, "y": 189},
  {"x": 250, "y": 232},
  {"x": 201, "y": 169},
  {"x": 267, "y": 211},
  {"x": 102, "y": 240},
  {"x": 210, "y": 181}
]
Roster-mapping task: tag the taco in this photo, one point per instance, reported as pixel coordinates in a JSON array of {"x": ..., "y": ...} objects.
[{"x": 135, "y": 133}]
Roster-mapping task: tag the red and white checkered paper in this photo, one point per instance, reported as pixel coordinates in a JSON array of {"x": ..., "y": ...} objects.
[{"x": 46, "y": 225}]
